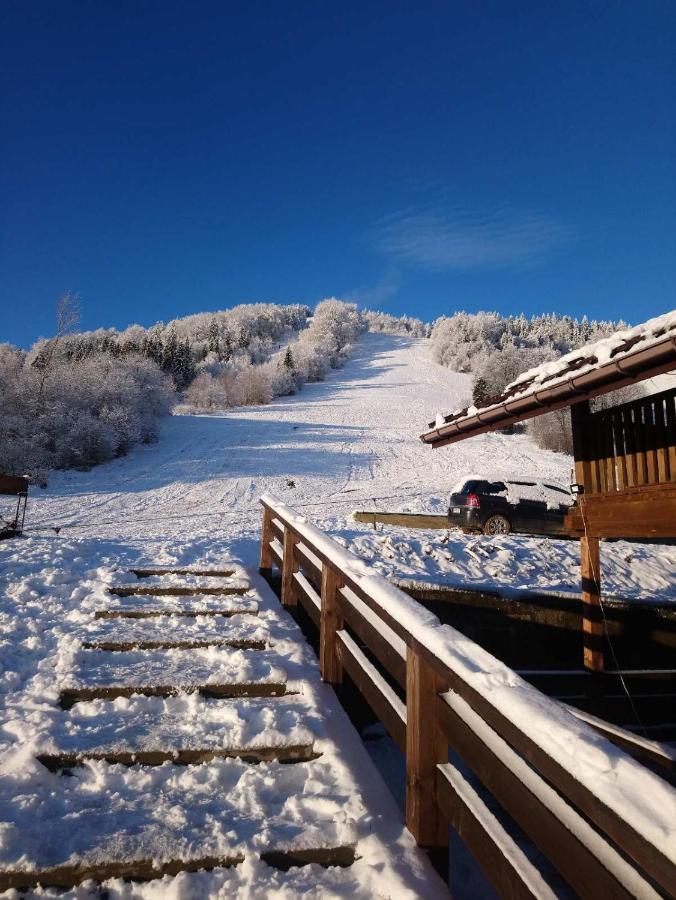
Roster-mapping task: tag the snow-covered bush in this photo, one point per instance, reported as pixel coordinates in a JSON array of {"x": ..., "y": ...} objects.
[
  {"x": 324, "y": 344},
  {"x": 75, "y": 413},
  {"x": 401, "y": 325}
]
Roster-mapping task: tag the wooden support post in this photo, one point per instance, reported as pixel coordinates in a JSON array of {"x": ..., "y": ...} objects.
[
  {"x": 426, "y": 746},
  {"x": 592, "y": 615},
  {"x": 331, "y": 621},
  {"x": 265, "y": 567},
  {"x": 289, "y": 566}
]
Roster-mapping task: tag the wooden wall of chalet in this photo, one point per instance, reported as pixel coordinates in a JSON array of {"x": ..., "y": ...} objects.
[{"x": 625, "y": 457}]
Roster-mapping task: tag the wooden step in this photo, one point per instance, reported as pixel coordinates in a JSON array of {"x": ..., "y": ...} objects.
[
  {"x": 173, "y": 632},
  {"x": 104, "y": 675},
  {"x": 289, "y": 753},
  {"x": 69, "y": 696},
  {"x": 174, "y": 644},
  {"x": 152, "y": 612},
  {"x": 149, "y": 571},
  {"x": 144, "y": 590},
  {"x": 150, "y": 606},
  {"x": 70, "y": 876}
]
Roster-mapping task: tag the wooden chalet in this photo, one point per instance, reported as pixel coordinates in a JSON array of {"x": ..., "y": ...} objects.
[{"x": 625, "y": 455}]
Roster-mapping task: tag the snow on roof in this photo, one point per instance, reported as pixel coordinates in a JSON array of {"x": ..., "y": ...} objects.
[{"x": 578, "y": 362}]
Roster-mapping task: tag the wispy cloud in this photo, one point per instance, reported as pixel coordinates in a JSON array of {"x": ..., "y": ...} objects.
[
  {"x": 451, "y": 238},
  {"x": 377, "y": 293}
]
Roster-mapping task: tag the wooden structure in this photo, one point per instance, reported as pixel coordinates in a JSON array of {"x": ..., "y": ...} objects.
[
  {"x": 14, "y": 486},
  {"x": 433, "y": 689},
  {"x": 625, "y": 456},
  {"x": 405, "y": 520}
]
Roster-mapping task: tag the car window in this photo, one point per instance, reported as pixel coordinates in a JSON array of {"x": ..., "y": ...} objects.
[{"x": 495, "y": 487}]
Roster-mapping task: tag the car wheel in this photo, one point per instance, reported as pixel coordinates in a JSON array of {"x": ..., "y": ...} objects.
[{"x": 497, "y": 524}]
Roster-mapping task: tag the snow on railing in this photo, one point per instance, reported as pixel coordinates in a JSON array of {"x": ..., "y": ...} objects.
[{"x": 609, "y": 824}]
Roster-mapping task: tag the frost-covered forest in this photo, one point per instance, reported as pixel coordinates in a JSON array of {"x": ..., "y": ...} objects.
[{"x": 80, "y": 398}]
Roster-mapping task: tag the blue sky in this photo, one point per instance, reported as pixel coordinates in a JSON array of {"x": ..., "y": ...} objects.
[{"x": 164, "y": 158}]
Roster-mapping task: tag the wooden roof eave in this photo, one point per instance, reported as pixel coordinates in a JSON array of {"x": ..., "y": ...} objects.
[{"x": 645, "y": 363}]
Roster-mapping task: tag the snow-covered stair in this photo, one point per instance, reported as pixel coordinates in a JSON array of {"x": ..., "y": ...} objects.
[
  {"x": 189, "y": 735},
  {"x": 179, "y": 583},
  {"x": 174, "y": 632},
  {"x": 143, "y": 607},
  {"x": 213, "y": 671},
  {"x": 182, "y": 729}
]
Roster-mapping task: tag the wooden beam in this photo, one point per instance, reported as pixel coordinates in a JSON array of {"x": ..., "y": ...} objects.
[
  {"x": 506, "y": 866},
  {"x": 265, "y": 566},
  {"x": 582, "y": 855},
  {"x": 426, "y": 746},
  {"x": 382, "y": 699},
  {"x": 289, "y": 566},
  {"x": 331, "y": 622},
  {"x": 592, "y": 614},
  {"x": 404, "y": 520},
  {"x": 386, "y": 646}
]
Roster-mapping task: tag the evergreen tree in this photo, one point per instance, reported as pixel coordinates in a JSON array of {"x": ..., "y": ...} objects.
[
  {"x": 289, "y": 362},
  {"x": 213, "y": 336},
  {"x": 480, "y": 392}
]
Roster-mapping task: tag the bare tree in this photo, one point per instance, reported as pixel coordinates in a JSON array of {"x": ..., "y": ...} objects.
[{"x": 67, "y": 318}]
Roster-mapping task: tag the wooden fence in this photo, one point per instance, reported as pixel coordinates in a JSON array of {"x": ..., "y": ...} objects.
[{"x": 569, "y": 790}]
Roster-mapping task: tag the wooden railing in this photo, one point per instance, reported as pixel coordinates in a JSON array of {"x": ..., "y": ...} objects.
[
  {"x": 602, "y": 820},
  {"x": 631, "y": 445}
]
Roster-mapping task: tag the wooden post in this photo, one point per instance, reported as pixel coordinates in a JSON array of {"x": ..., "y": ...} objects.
[
  {"x": 592, "y": 614},
  {"x": 590, "y": 562},
  {"x": 426, "y": 746},
  {"x": 289, "y": 566},
  {"x": 265, "y": 567},
  {"x": 331, "y": 621}
]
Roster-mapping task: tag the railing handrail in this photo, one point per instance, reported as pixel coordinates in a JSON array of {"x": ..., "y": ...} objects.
[{"x": 600, "y": 779}]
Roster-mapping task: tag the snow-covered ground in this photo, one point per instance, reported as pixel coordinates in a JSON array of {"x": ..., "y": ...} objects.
[
  {"x": 349, "y": 442},
  {"x": 192, "y": 498}
]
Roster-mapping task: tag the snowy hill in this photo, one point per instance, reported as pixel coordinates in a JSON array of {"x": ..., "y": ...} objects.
[{"x": 349, "y": 442}]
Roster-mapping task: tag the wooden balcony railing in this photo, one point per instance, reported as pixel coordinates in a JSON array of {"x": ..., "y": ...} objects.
[{"x": 605, "y": 822}]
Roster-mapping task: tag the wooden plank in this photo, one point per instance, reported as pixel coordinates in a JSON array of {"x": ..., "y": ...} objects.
[
  {"x": 374, "y": 689},
  {"x": 643, "y": 748},
  {"x": 629, "y": 515},
  {"x": 670, "y": 416},
  {"x": 277, "y": 552},
  {"x": 148, "y": 613},
  {"x": 505, "y": 864},
  {"x": 149, "y": 571},
  {"x": 277, "y": 529},
  {"x": 308, "y": 563},
  {"x": 69, "y": 876},
  {"x": 386, "y": 646},
  {"x": 661, "y": 443},
  {"x": 149, "y": 590},
  {"x": 308, "y": 597},
  {"x": 649, "y": 856},
  {"x": 265, "y": 565},
  {"x": 70, "y": 696},
  {"x": 289, "y": 567},
  {"x": 592, "y": 614},
  {"x": 620, "y": 452},
  {"x": 290, "y": 753},
  {"x": 174, "y": 644},
  {"x": 584, "y": 858},
  {"x": 331, "y": 621},
  {"x": 404, "y": 520},
  {"x": 426, "y": 746}
]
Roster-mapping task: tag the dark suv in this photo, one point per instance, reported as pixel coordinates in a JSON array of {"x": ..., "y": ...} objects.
[{"x": 498, "y": 507}]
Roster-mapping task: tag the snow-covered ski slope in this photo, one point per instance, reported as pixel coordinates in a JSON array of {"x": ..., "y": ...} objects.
[{"x": 349, "y": 442}]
